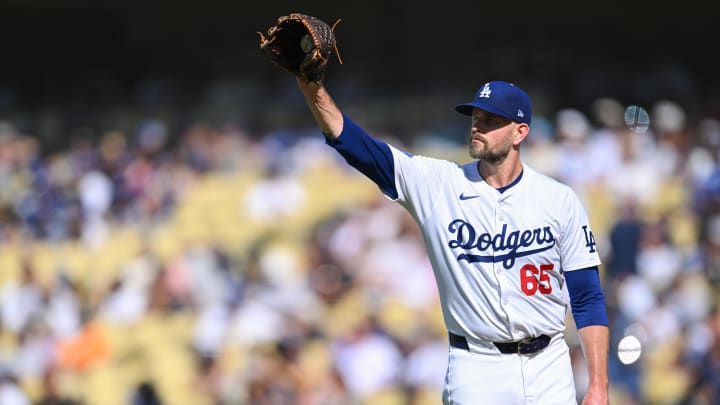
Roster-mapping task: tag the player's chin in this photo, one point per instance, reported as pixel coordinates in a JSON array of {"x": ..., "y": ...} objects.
[{"x": 475, "y": 151}]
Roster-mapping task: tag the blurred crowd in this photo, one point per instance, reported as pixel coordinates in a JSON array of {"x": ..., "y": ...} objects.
[{"x": 209, "y": 265}]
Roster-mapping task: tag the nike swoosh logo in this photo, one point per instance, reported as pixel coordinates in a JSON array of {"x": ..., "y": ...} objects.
[{"x": 468, "y": 197}]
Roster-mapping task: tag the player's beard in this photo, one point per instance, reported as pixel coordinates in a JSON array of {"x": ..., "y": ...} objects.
[{"x": 492, "y": 156}]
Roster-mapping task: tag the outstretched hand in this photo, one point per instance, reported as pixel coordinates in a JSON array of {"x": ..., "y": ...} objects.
[{"x": 300, "y": 44}]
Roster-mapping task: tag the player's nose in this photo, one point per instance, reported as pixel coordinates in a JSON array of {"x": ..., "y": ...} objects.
[{"x": 476, "y": 130}]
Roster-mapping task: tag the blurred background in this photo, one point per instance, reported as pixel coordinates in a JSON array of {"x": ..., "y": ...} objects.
[{"x": 175, "y": 231}]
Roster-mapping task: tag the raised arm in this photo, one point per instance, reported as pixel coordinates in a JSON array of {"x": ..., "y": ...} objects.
[
  {"x": 326, "y": 113},
  {"x": 302, "y": 45}
]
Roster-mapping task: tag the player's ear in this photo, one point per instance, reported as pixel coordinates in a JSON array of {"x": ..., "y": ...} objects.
[{"x": 521, "y": 131}]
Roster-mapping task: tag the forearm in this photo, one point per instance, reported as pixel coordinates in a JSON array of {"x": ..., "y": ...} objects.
[
  {"x": 594, "y": 340},
  {"x": 323, "y": 108}
]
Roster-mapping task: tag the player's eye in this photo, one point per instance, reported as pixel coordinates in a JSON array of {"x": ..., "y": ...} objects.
[
  {"x": 492, "y": 122},
  {"x": 498, "y": 122},
  {"x": 489, "y": 122}
]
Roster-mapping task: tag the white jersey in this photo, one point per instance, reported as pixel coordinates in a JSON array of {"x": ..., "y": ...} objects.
[{"x": 499, "y": 258}]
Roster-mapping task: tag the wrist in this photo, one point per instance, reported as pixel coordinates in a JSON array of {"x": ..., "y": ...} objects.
[
  {"x": 599, "y": 383},
  {"x": 308, "y": 88}
]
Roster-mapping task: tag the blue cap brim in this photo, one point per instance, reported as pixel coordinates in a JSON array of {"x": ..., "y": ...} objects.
[{"x": 467, "y": 109}]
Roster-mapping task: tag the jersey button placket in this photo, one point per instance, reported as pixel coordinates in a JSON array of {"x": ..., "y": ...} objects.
[
  {"x": 499, "y": 217},
  {"x": 498, "y": 225},
  {"x": 504, "y": 301}
]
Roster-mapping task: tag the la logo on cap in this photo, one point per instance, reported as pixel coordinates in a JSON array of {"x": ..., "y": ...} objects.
[{"x": 485, "y": 92}]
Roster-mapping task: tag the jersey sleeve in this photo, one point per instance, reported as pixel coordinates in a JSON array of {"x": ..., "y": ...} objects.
[
  {"x": 370, "y": 156},
  {"x": 586, "y": 297},
  {"x": 420, "y": 181},
  {"x": 413, "y": 181},
  {"x": 578, "y": 249}
]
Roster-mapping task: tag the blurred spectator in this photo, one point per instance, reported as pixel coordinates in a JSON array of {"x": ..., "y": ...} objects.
[
  {"x": 145, "y": 394},
  {"x": 366, "y": 348},
  {"x": 658, "y": 262},
  {"x": 426, "y": 363},
  {"x": 604, "y": 145},
  {"x": 95, "y": 191},
  {"x": 128, "y": 298},
  {"x": 625, "y": 238},
  {"x": 22, "y": 300},
  {"x": 10, "y": 392},
  {"x": 669, "y": 120},
  {"x": 278, "y": 195},
  {"x": 543, "y": 151},
  {"x": 89, "y": 348},
  {"x": 573, "y": 130},
  {"x": 711, "y": 250}
]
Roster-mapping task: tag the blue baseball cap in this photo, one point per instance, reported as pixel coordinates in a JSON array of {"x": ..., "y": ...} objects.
[{"x": 500, "y": 98}]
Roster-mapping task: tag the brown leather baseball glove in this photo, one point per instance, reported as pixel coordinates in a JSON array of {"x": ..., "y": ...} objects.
[{"x": 300, "y": 44}]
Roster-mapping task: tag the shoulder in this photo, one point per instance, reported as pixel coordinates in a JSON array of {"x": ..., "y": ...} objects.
[
  {"x": 541, "y": 180},
  {"x": 549, "y": 187},
  {"x": 424, "y": 161}
]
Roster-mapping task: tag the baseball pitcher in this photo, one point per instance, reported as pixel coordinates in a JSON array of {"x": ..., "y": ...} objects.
[{"x": 507, "y": 244}]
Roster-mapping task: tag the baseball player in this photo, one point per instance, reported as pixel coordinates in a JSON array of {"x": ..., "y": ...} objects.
[{"x": 508, "y": 246}]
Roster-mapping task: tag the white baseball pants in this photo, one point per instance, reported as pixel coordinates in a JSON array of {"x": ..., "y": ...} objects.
[{"x": 485, "y": 376}]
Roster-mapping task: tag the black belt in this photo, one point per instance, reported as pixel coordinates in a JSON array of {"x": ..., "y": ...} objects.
[{"x": 527, "y": 346}]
